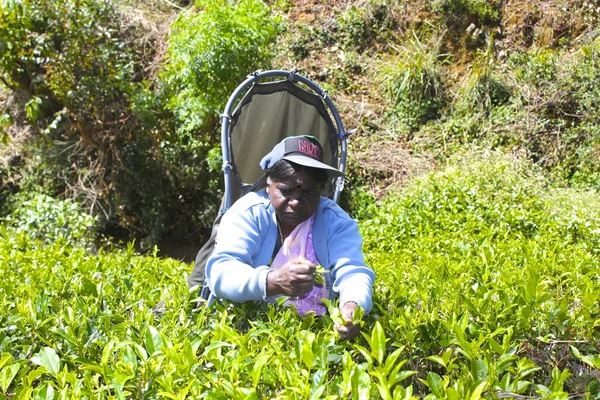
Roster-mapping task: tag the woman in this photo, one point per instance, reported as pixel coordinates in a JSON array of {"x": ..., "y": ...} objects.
[{"x": 253, "y": 230}]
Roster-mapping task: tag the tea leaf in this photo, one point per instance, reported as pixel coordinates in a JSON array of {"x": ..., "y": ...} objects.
[
  {"x": 434, "y": 382},
  {"x": 320, "y": 275},
  {"x": 46, "y": 392},
  {"x": 378, "y": 342},
  {"x": 7, "y": 375},
  {"x": 476, "y": 393},
  {"x": 48, "y": 358},
  {"x": 257, "y": 369},
  {"x": 152, "y": 340}
]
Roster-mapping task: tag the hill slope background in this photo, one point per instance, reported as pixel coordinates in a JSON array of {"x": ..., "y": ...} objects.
[{"x": 121, "y": 115}]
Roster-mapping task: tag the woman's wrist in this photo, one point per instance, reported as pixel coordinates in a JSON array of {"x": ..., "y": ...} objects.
[{"x": 272, "y": 287}]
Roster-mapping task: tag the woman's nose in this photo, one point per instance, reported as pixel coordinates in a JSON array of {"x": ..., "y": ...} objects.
[{"x": 293, "y": 202}]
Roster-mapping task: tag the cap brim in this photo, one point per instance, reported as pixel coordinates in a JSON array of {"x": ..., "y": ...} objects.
[{"x": 312, "y": 163}]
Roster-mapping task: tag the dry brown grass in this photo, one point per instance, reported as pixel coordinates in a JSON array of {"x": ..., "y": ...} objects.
[
  {"x": 150, "y": 22},
  {"x": 386, "y": 165}
]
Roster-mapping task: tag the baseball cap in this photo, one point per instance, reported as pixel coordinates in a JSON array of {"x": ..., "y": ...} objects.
[{"x": 303, "y": 150}]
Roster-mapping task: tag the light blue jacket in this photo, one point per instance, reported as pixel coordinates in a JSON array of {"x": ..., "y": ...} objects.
[{"x": 237, "y": 269}]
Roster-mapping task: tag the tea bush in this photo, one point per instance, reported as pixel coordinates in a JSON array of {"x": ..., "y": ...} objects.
[
  {"x": 50, "y": 220},
  {"x": 488, "y": 267},
  {"x": 486, "y": 288}
]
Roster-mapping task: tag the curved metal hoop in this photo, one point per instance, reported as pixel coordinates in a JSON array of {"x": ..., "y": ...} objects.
[{"x": 252, "y": 79}]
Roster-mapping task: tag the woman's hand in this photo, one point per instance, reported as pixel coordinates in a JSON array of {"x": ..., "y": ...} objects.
[
  {"x": 350, "y": 330},
  {"x": 294, "y": 278}
]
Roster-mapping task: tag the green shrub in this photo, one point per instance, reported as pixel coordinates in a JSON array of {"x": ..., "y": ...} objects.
[
  {"x": 70, "y": 59},
  {"x": 487, "y": 285},
  {"x": 210, "y": 52},
  {"x": 351, "y": 29},
  {"x": 383, "y": 15},
  {"x": 212, "y": 48},
  {"x": 137, "y": 153},
  {"x": 75, "y": 68},
  {"x": 468, "y": 22},
  {"x": 342, "y": 30},
  {"x": 483, "y": 88},
  {"x": 542, "y": 101},
  {"x": 50, "y": 220},
  {"x": 5, "y": 121},
  {"x": 480, "y": 12},
  {"x": 488, "y": 249},
  {"x": 559, "y": 91},
  {"x": 537, "y": 66},
  {"x": 586, "y": 77}
]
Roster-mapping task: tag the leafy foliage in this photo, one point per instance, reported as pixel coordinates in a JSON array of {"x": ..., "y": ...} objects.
[
  {"x": 351, "y": 29},
  {"x": 138, "y": 153},
  {"x": 68, "y": 57},
  {"x": 474, "y": 299},
  {"x": 483, "y": 88},
  {"x": 477, "y": 11},
  {"x": 487, "y": 272},
  {"x": 210, "y": 53},
  {"x": 482, "y": 270},
  {"x": 540, "y": 101},
  {"x": 50, "y": 220},
  {"x": 72, "y": 68}
]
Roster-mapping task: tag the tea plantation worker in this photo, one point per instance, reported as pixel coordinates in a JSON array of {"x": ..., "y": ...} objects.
[{"x": 251, "y": 240}]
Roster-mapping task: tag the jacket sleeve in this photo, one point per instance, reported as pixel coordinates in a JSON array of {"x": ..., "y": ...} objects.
[
  {"x": 352, "y": 278},
  {"x": 229, "y": 271}
]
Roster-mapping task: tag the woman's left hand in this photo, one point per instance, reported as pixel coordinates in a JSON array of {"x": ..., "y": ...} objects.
[{"x": 350, "y": 330}]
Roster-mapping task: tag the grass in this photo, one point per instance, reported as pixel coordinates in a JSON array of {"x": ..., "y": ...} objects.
[{"x": 413, "y": 70}]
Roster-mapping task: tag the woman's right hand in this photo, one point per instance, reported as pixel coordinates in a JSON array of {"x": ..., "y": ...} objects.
[{"x": 294, "y": 278}]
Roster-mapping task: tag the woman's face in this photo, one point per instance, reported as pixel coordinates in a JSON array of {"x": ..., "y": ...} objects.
[{"x": 295, "y": 198}]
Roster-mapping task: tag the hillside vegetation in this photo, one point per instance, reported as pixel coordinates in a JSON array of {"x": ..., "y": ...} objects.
[
  {"x": 473, "y": 174},
  {"x": 115, "y": 105}
]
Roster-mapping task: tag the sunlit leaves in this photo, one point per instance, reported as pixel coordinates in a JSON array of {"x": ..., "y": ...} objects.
[
  {"x": 152, "y": 340},
  {"x": 591, "y": 360},
  {"x": 211, "y": 50},
  {"x": 7, "y": 374},
  {"x": 48, "y": 358},
  {"x": 486, "y": 288},
  {"x": 482, "y": 270}
]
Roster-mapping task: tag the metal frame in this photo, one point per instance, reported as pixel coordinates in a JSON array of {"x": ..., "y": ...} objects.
[{"x": 226, "y": 120}]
